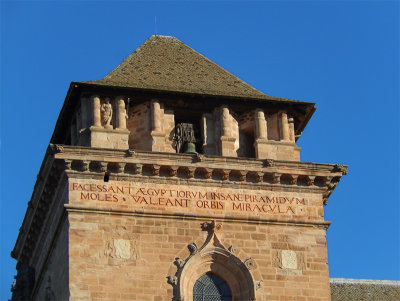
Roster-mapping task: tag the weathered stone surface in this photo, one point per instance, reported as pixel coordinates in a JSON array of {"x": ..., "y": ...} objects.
[
  {"x": 288, "y": 259},
  {"x": 122, "y": 248}
]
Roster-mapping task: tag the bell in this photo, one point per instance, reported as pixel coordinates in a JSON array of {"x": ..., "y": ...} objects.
[{"x": 189, "y": 148}]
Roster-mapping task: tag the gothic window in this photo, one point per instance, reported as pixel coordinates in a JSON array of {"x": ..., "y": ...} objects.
[{"x": 210, "y": 287}]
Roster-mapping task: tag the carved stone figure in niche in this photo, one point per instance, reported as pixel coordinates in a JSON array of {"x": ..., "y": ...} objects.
[
  {"x": 184, "y": 138},
  {"x": 106, "y": 114}
]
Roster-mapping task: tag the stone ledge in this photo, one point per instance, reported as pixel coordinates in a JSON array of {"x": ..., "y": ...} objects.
[
  {"x": 269, "y": 176},
  {"x": 183, "y": 216},
  {"x": 132, "y": 156}
]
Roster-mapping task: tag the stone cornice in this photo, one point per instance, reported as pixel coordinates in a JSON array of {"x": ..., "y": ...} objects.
[
  {"x": 85, "y": 162},
  {"x": 112, "y": 155},
  {"x": 43, "y": 193}
]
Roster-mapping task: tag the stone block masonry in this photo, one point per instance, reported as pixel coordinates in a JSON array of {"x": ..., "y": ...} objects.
[{"x": 129, "y": 257}]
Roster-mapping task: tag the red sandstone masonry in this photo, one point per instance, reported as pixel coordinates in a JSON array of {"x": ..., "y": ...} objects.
[{"x": 151, "y": 256}]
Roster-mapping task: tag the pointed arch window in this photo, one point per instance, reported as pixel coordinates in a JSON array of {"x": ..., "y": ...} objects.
[{"x": 210, "y": 287}]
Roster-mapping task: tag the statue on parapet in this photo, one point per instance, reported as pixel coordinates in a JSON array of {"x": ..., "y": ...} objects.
[{"x": 106, "y": 114}]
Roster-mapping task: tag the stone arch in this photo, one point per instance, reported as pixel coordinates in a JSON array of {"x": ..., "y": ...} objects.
[
  {"x": 222, "y": 263},
  {"x": 215, "y": 258}
]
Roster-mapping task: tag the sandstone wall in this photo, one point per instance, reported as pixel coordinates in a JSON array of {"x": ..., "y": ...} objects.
[
  {"x": 126, "y": 235},
  {"x": 139, "y": 125},
  {"x": 127, "y": 257}
]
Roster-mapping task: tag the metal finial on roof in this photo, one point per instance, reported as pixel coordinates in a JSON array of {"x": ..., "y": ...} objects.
[{"x": 155, "y": 25}]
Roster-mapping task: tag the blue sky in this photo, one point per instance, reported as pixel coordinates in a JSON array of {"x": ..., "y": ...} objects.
[{"x": 342, "y": 55}]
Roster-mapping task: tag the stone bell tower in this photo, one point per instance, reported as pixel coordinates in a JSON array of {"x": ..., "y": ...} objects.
[{"x": 172, "y": 179}]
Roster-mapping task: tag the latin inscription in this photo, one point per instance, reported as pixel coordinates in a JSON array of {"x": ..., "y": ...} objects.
[{"x": 143, "y": 196}]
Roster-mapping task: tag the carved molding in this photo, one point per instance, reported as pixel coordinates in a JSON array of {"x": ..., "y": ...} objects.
[
  {"x": 192, "y": 248},
  {"x": 67, "y": 164},
  {"x": 341, "y": 168},
  {"x": 40, "y": 209},
  {"x": 189, "y": 172},
  {"x": 293, "y": 180},
  {"x": 224, "y": 174},
  {"x": 120, "y": 167},
  {"x": 198, "y": 172},
  {"x": 232, "y": 249},
  {"x": 242, "y": 175},
  {"x": 138, "y": 169},
  {"x": 85, "y": 165},
  {"x": 207, "y": 172},
  {"x": 310, "y": 180},
  {"x": 198, "y": 158},
  {"x": 130, "y": 153},
  {"x": 179, "y": 262},
  {"x": 259, "y": 177},
  {"x": 276, "y": 178},
  {"x": 173, "y": 280},
  {"x": 269, "y": 163},
  {"x": 173, "y": 171},
  {"x": 54, "y": 148},
  {"x": 211, "y": 226},
  {"x": 155, "y": 170},
  {"x": 212, "y": 254},
  {"x": 249, "y": 263},
  {"x": 103, "y": 166}
]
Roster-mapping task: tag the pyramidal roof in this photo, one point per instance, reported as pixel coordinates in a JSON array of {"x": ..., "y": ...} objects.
[{"x": 165, "y": 63}]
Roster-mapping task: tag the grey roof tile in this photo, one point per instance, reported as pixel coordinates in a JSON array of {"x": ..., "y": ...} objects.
[
  {"x": 165, "y": 63},
  {"x": 364, "y": 290}
]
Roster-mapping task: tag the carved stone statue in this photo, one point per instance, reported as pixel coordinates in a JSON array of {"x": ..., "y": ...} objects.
[{"x": 106, "y": 113}]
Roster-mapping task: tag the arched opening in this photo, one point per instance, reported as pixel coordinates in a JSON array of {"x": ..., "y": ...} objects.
[
  {"x": 222, "y": 263},
  {"x": 211, "y": 287}
]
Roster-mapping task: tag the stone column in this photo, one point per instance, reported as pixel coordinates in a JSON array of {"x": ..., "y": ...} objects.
[
  {"x": 156, "y": 115},
  {"x": 291, "y": 130},
  {"x": 227, "y": 141},
  {"x": 96, "y": 111},
  {"x": 158, "y": 137},
  {"x": 225, "y": 121},
  {"x": 104, "y": 136},
  {"x": 260, "y": 125},
  {"x": 121, "y": 113},
  {"x": 284, "y": 127},
  {"x": 208, "y": 135},
  {"x": 261, "y": 135}
]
